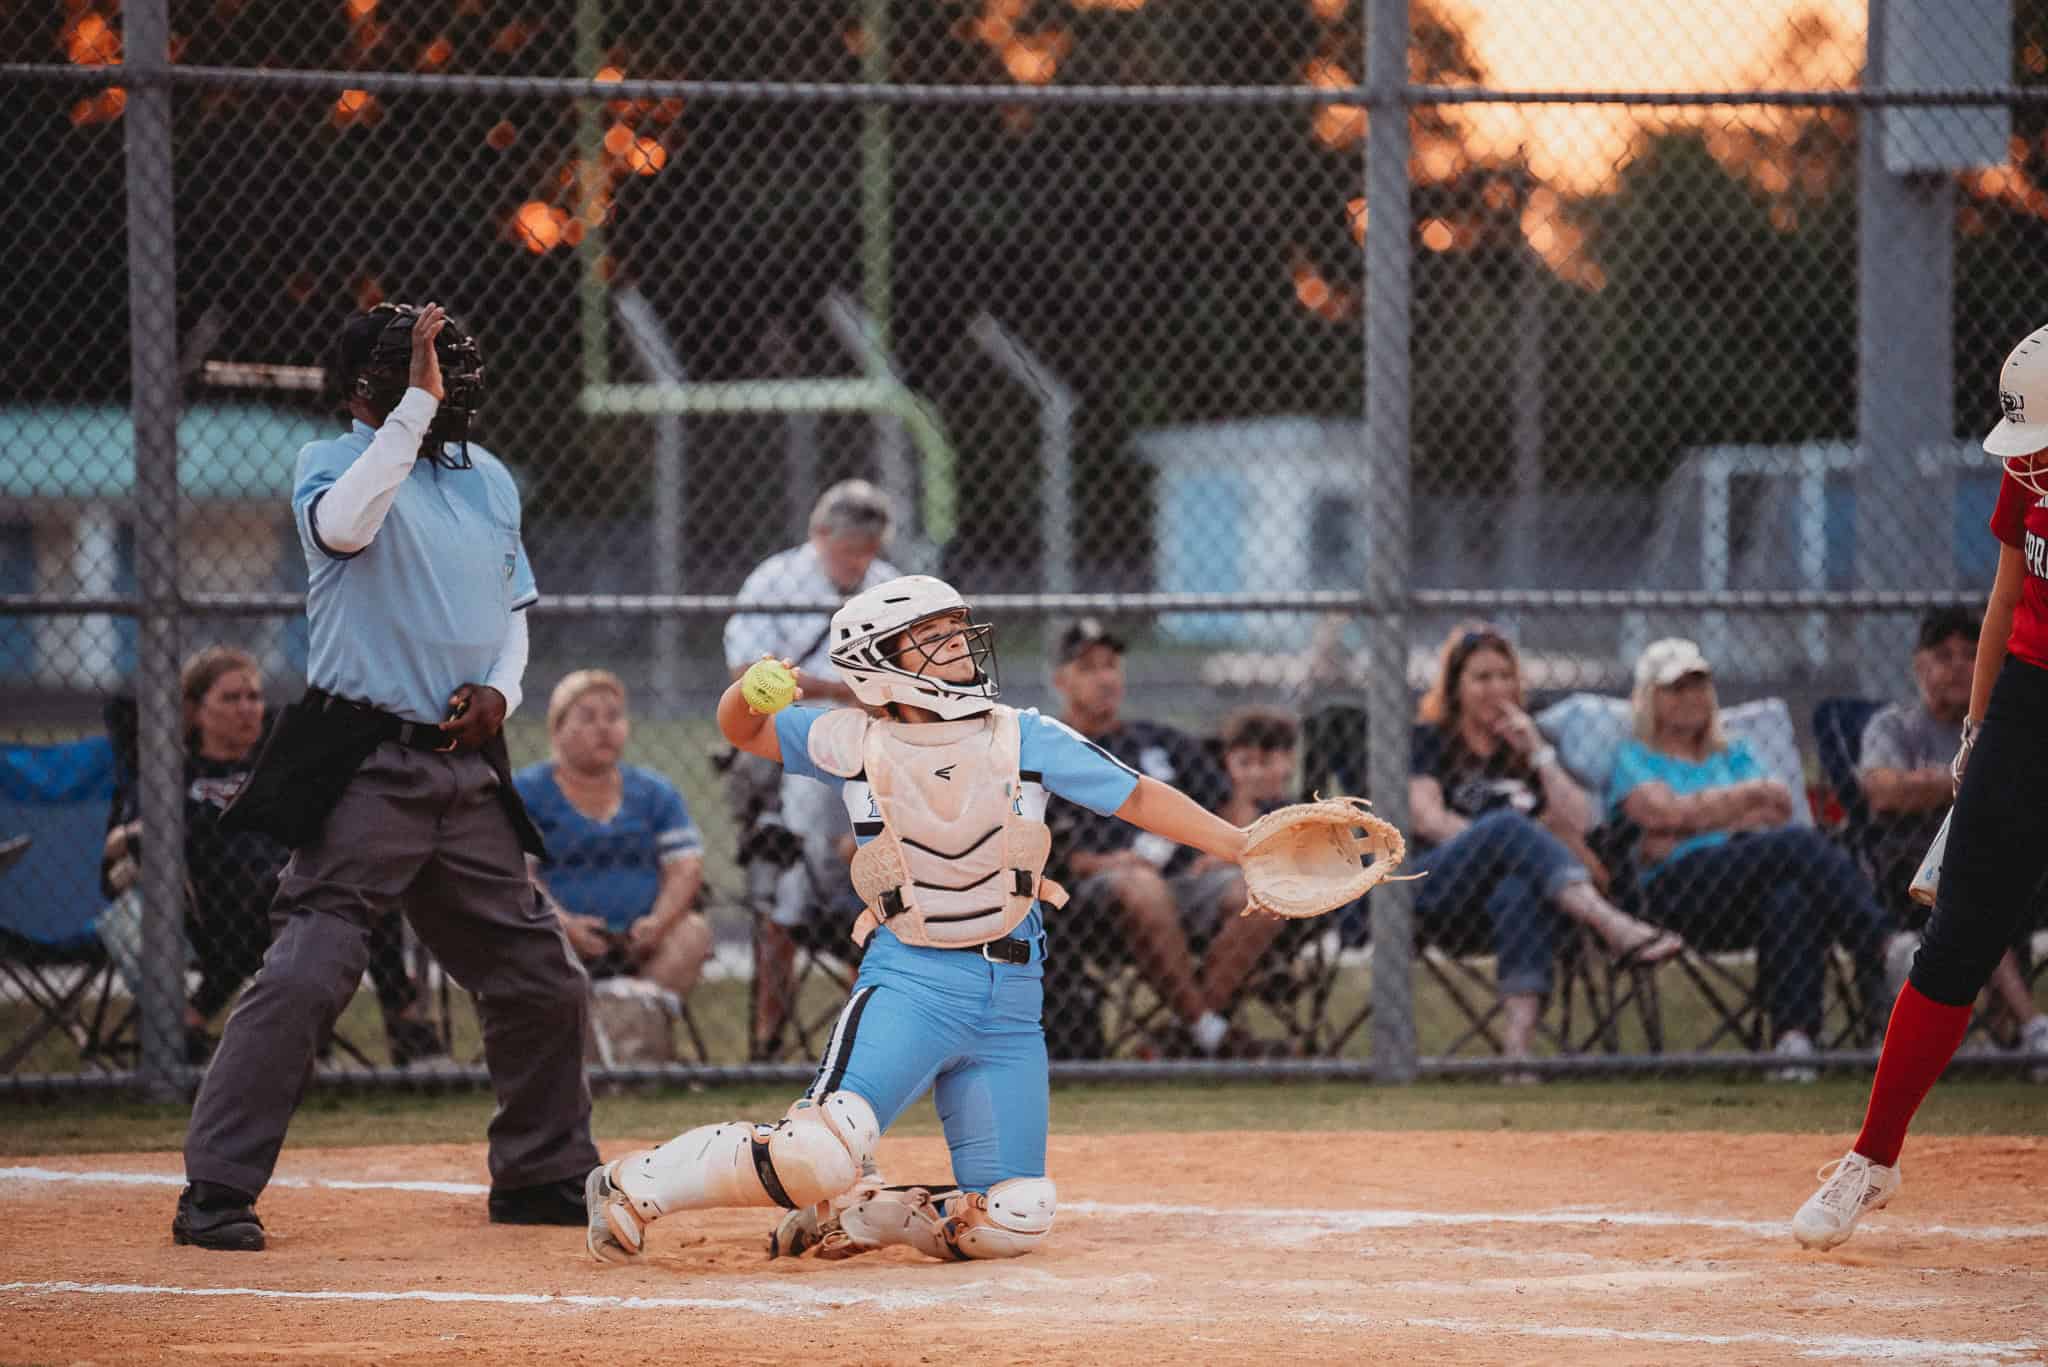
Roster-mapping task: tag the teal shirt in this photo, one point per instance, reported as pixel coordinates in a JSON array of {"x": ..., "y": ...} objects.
[
  {"x": 424, "y": 608},
  {"x": 1637, "y": 764}
]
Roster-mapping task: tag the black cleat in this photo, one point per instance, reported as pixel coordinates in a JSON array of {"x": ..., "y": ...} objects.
[
  {"x": 549, "y": 1203},
  {"x": 217, "y": 1217}
]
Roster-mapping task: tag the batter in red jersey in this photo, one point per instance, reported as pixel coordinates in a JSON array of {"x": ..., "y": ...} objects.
[{"x": 1998, "y": 830}]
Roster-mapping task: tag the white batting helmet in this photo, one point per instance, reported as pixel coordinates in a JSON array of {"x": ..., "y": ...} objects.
[
  {"x": 2023, "y": 395},
  {"x": 863, "y": 629}
]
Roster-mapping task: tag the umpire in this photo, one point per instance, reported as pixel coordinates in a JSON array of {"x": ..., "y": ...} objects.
[{"x": 391, "y": 784}]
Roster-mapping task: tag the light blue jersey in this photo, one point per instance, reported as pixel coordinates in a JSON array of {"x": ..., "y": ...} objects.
[
  {"x": 1637, "y": 764},
  {"x": 609, "y": 869},
  {"x": 424, "y": 608},
  {"x": 969, "y": 1029}
]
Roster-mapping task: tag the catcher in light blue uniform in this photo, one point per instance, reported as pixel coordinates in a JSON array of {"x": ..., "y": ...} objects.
[{"x": 947, "y": 791}]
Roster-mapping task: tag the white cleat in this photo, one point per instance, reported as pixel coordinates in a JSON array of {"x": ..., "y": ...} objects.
[
  {"x": 2034, "y": 1044},
  {"x": 614, "y": 1233},
  {"x": 1851, "y": 1187},
  {"x": 1795, "y": 1046}
]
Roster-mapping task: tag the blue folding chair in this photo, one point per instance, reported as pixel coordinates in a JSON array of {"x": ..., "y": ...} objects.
[
  {"x": 1838, "y": 725},
  {"x": 57, "y": 797}
]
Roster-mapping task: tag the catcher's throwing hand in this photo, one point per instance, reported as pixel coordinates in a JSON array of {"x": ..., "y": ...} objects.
[
  {"x": 475, "y": 712},
  {"x": 1308, "y": 858}
]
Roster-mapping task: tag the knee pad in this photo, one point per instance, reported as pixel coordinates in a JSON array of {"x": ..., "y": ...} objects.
[
  {"x": 815, "y": 1153},
  {"x": 1005, "y": 1222},
  {"x": 818, "y": 1151}
]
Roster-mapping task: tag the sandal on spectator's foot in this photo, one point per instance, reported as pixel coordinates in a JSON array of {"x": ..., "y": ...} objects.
[{"x": 1654, "y": 949}]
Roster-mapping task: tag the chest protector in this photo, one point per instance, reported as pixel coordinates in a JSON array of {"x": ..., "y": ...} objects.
[{"x": 955, "y": 864}]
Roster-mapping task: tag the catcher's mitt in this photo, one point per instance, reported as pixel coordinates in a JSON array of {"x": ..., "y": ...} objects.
[{"x": 1306, "y": 859}]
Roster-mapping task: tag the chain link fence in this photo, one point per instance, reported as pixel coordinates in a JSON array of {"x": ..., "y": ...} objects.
[{"x": 1262, "y": 420}]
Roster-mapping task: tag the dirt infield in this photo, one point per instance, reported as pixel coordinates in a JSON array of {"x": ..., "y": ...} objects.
[{"x": 1451, "y": 1247}]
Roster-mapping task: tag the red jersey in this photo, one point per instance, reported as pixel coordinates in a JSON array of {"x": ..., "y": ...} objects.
[{"x": 2021, "y": 521}]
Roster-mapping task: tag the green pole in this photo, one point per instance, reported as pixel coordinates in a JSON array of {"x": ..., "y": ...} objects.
[
  {"x": 875, "y": 170},
  {"x": 591, "y": 288}
]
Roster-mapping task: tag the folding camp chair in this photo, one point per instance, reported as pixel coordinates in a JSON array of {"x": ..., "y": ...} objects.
[
  {"x": 824, "y": 965},
  {"x": 53, "y": 804}
]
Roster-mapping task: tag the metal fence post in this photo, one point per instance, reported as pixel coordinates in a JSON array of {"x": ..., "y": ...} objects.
[
  {"x": 1387, "y": 418},
  {"x": 1905, "y": 288},
  {"x": 153, "y": 400}
]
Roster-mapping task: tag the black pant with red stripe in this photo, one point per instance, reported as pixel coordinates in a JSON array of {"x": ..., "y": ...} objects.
[{"x": 1997, "y": 842}]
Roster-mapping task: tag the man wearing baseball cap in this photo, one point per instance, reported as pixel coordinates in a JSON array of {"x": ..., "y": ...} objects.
[{"x": 1156, "y": 891}]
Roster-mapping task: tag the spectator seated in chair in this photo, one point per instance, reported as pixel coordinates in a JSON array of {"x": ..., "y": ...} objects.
[
  {"x": 625, "y": 864},
  {"x": 1154, "y": 891},
  {"x": 1904, "y": 774},
  {"x": 1723, "y": 860},
  {"x": 1499, "y": 826},
  {"x": 230, "y": 878},
  {"x": 790, "y": 830},
  {"x": 809, "y": 910}
]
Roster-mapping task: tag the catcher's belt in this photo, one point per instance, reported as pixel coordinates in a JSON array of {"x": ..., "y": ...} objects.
[
  {"x": 956, "y": 864},
  {"x": 1312, "y": 857}
]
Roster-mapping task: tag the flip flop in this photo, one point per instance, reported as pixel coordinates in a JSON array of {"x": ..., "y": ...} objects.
[{"x": 1640, "y": 955}]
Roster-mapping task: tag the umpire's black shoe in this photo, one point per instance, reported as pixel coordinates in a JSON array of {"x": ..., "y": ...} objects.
[
  {"x": 213, "y": 1216},
  {"x": 550, "y": 1203}
]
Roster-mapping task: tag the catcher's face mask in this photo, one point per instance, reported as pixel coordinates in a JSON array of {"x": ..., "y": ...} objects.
[
  {"x": 384, "y": 374},
  {"x": 879, "y": 663},
  {"x": 946, "y": 647}
]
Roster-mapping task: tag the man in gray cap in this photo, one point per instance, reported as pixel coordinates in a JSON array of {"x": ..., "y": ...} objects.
[{"x": 1157, "y": 892}]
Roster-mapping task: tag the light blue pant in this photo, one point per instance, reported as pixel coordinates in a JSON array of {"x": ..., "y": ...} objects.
[{"x": 970, "y": 1030}]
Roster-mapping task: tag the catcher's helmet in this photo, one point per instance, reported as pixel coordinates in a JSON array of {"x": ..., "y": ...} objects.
[
  {"x": 864, "y": 629},
  {"x": 376, "y": 363}
]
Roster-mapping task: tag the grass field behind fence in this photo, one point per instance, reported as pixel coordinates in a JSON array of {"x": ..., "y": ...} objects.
[
  {"x": 1831, "y": 1106},
  {"x": 719, "y": 1009}
]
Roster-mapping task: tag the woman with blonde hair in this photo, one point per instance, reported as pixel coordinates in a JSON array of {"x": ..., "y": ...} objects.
[
  {"x": 625, "y": 863},
  {"x": 1720, "y": 858},
  {"x": 1500, "y": 825}
]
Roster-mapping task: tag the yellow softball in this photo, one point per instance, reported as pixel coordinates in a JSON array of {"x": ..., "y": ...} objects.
[{"x": 768, "y": 686}]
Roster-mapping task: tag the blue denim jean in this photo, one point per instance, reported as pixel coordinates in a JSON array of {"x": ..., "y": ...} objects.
[
  {"x": 1789, "y": 892},
  {"x": 1511, "y": 867}
]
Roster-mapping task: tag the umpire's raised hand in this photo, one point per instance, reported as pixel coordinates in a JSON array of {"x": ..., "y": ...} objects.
[{"x": 426, "y": 366}]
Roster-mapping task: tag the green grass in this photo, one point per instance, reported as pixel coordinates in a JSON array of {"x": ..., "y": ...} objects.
[
  {"x": 339, "y": 1118},
  {"x": 719, "y": 1010}
]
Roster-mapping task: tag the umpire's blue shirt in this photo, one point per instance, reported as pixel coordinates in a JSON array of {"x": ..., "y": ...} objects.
[{"x": 424, "y": 608}]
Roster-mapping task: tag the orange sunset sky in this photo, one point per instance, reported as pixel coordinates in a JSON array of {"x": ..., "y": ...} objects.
[{"x": 1632, "y": 45}]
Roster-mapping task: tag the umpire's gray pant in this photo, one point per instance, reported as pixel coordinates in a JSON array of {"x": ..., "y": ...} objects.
[{"x": 428, "y": 833}]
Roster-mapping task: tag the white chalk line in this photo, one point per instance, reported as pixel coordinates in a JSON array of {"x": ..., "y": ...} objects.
[
  {"x": 1857, "y": 1347},
  {"x": 1281, "y": 1224},
  {"x": 999, "y": 1296},
  {"x": 1326, "y": 1220}
]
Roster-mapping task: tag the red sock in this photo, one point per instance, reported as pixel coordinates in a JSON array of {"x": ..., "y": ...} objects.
[{"x": 1922, "y": 1037}]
